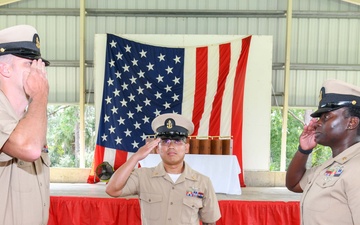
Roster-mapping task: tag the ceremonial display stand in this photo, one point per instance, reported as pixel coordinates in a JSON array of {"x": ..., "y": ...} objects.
[
  {"x": 210, "y": 145},
  {"x": 207, "y": 145}
]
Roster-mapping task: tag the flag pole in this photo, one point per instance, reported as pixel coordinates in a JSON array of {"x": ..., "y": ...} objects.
[
  {"x": 286, "y": 86},
  {"x": 82, "y": 85}
]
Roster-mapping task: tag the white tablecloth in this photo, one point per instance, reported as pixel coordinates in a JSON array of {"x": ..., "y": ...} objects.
[{"x": 223, "y": 170}]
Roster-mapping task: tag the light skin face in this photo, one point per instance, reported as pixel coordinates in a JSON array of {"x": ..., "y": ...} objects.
[
  {"x": 17, "y": 71},
  {"x": 173, "y": 155},
  {"x": 23, "y": 78}
]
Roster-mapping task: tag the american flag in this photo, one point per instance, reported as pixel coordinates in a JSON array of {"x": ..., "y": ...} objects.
[{"x": 142, "y": 81}]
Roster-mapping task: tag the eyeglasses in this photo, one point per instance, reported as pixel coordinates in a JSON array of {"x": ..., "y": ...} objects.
[{"x": 167, "y": 142}]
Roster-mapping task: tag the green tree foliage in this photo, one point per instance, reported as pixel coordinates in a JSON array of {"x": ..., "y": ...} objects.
[
  {"x": 294, "y": 129},
  {"x": 63, "y": 124}
]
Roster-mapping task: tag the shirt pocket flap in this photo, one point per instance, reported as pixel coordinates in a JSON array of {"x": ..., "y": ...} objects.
[
  {"x": 327, "y": 182},
  {"x": 45, "y": 158},
  {"x": 23, "y": 164},
  {"x": 150, "y": 198},
  {"x": 193, "y": 202}
]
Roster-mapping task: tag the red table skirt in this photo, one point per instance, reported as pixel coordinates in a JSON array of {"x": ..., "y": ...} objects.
[{"x": 66, "y": 210}]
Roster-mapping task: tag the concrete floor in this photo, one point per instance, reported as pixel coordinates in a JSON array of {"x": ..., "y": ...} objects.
[{"x": 248, "y": 193}]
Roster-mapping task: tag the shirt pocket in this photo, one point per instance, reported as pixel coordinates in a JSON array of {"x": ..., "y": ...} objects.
[
  {"x": 23, "y": 177},
  {"x": 190, "y": 209},
  {"x": 45, "y": 159},
  {"x": 151, "y": 205},
  {"x": 321, "y": 197}
]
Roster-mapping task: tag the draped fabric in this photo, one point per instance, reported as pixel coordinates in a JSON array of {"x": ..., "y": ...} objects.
[
  {"x": 118, "y": 211},
  {"x": 259, "y": 213},
  {"x": 203, "y": 83},
  {"x": 93, "y": 211}
]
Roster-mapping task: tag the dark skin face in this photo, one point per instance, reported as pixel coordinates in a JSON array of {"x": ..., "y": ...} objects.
[{"x": 337, "y": 129}]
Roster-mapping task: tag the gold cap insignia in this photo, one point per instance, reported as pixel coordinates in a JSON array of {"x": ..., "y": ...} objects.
[
  {"x": 2, "y": 49},
  {"x": 353, "y": 102},
  {"x": 37, "y": 42},
  {"x": 169, "y": 124}
]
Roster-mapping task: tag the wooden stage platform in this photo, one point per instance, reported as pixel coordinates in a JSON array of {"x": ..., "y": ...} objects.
[{"x": 88, "y": 204}]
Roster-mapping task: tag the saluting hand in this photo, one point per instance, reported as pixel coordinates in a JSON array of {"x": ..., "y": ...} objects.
[
  {"x": 307, "y": 137},
  {"x": 147, "y": 148},
  {"x": 36, "y": 82}
]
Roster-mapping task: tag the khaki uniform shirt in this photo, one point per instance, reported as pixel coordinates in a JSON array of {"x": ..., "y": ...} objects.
[
  {"x": 332, "y": 191},
  {"x": 164, "y": 202},
  {"x": 24, "y": 186}
]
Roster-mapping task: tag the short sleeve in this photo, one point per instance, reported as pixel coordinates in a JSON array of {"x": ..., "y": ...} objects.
[
  {"x": 8, "y": 120},
  {"x": 132, "y": 184},
  {"x": 307, "y": 177},
  {"x": 211, "y": 211}
]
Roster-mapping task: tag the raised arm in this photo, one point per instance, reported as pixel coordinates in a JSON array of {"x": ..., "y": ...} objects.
[
  {"x": 29, "y": 136},
  {"x": 297, "y": 166},
  {"x": 121, "y": 175}
]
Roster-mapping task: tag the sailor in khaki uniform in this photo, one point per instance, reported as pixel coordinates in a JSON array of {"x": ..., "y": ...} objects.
[
  {"x": 331, "y": 191},
  {"x": 24, "y": 161},
  {"x": 172, "y": 192}
]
